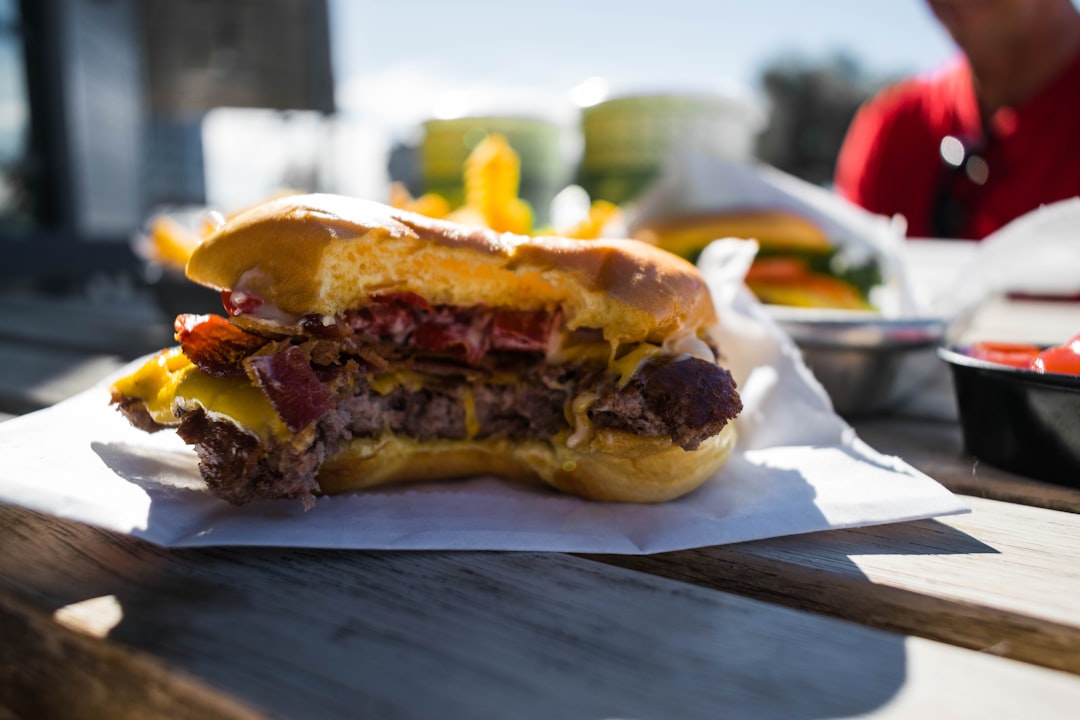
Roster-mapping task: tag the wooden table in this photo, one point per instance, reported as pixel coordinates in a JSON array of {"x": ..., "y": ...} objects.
[{"x": 975, "y": 615}]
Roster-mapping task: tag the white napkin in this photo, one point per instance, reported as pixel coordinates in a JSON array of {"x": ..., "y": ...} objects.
[
  {"x": 1037, "y": 253},
  {"x": 797, "y": 468}
]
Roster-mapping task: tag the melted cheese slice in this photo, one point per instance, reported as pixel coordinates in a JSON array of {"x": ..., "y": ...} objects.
[
  {"x": 169, "y": 384},
  {"x": 234, "y": 399},
  {"x": 386, "y": 383},
  {"x": 628, "y": 365},
  {"x": 155, "y": 383}
]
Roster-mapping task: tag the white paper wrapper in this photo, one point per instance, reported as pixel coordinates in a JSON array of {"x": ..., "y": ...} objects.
[
  {"x": 700, "y": 183},
  {"x": 798, "y": 468},
  {"x": 1037, "y": 253}
]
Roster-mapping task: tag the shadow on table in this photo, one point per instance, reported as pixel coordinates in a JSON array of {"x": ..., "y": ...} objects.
[
  {"x": 310, "y": 633},
  {"x": 819, "y": 573},
  {"x": 302, "y": 633},
  {"x": 524, "y": 635}
]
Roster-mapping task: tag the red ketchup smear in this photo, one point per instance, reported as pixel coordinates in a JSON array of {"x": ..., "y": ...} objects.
[
  {"x": 1012, "y": 354},
  {"x": 240, "y": 303},
  {"x": 1063, "y": 359}
]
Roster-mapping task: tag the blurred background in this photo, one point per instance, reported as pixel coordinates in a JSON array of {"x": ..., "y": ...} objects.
[{"x": 110, "y": 109}]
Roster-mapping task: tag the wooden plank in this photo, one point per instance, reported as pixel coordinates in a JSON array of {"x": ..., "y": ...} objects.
[
  {"x": 127, "y": 327},
  {"x": 34, "y": 376},
  {"x": 937, "y": 449},
  {"x": 74, "y": 676},
  {"x": 931, "y": 440},
  {"x": 1002, "y": 579},
  {"x": 304, "y": 633}
]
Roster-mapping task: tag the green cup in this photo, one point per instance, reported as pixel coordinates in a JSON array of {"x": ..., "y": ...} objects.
[{"x": 628, "y": 139}]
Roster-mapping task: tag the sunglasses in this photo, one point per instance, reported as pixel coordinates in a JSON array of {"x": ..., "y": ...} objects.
[{"x": 964, "y": 173}]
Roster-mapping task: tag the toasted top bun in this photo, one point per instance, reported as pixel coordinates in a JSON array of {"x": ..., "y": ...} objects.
[{"x": 326, "y": 254}]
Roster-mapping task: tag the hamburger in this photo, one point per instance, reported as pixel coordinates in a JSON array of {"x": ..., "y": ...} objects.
[
  {"x": 797, "y": 264},
  {"x": 363, "y": 345}
]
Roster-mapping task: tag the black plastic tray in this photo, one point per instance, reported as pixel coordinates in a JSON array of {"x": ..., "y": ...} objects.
[{"x": 1018, "y": 420}]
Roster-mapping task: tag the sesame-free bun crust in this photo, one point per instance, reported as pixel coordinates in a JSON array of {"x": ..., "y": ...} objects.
[
  {"x": 326, "y": 254},
  {"x": 613, "y": 466}
]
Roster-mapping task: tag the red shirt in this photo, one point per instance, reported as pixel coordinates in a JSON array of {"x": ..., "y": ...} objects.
[{"x": 891, "y": 161}]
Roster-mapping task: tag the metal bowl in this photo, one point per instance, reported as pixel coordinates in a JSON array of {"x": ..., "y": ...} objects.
[
  {"x": 1018, "y": 420},
  {"x": 861, "y": 358}
]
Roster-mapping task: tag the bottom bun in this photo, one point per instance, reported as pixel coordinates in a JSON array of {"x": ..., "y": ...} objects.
[{"x": 613, "y": 466}]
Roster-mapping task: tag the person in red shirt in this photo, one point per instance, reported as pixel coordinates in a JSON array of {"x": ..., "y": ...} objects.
[{"x": 991, "y": 136}]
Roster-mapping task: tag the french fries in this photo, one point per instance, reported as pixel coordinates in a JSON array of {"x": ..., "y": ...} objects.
[
  {"x": 601, "y": 214},
  {"x": 430, "y": 204},
  {"x": 492, "y": 178},
  {"x": 170, "y": 243},
  {"x": 170, "y": 238}
]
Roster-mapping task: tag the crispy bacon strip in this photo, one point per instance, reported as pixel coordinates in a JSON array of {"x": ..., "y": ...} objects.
[
  {"x": 215, "y": 345},
  {"x": 403, "y": 298},
  {"x": 387, "y": 321},
  {"x": 409, "y": 319},
  {"x": 292, "y": 386},
  {"x": 464, "y": 332},
  {"x": 523, "y": 330}
]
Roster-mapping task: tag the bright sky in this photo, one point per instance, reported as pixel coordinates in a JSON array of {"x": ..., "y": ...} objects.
[{"x": 399, "y": 61}]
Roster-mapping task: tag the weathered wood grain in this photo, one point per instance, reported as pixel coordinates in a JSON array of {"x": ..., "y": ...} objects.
[
  {"x": 937, "y": 449},
  {"x": 47, "y": 671},
  {"x": 127, "y": 327},
  {"x": 1003, "y": 579},
  {"x": 302, "y": 633},
  {"x": 54, "y": 347},
  {"x": 36, "y": 377}
]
